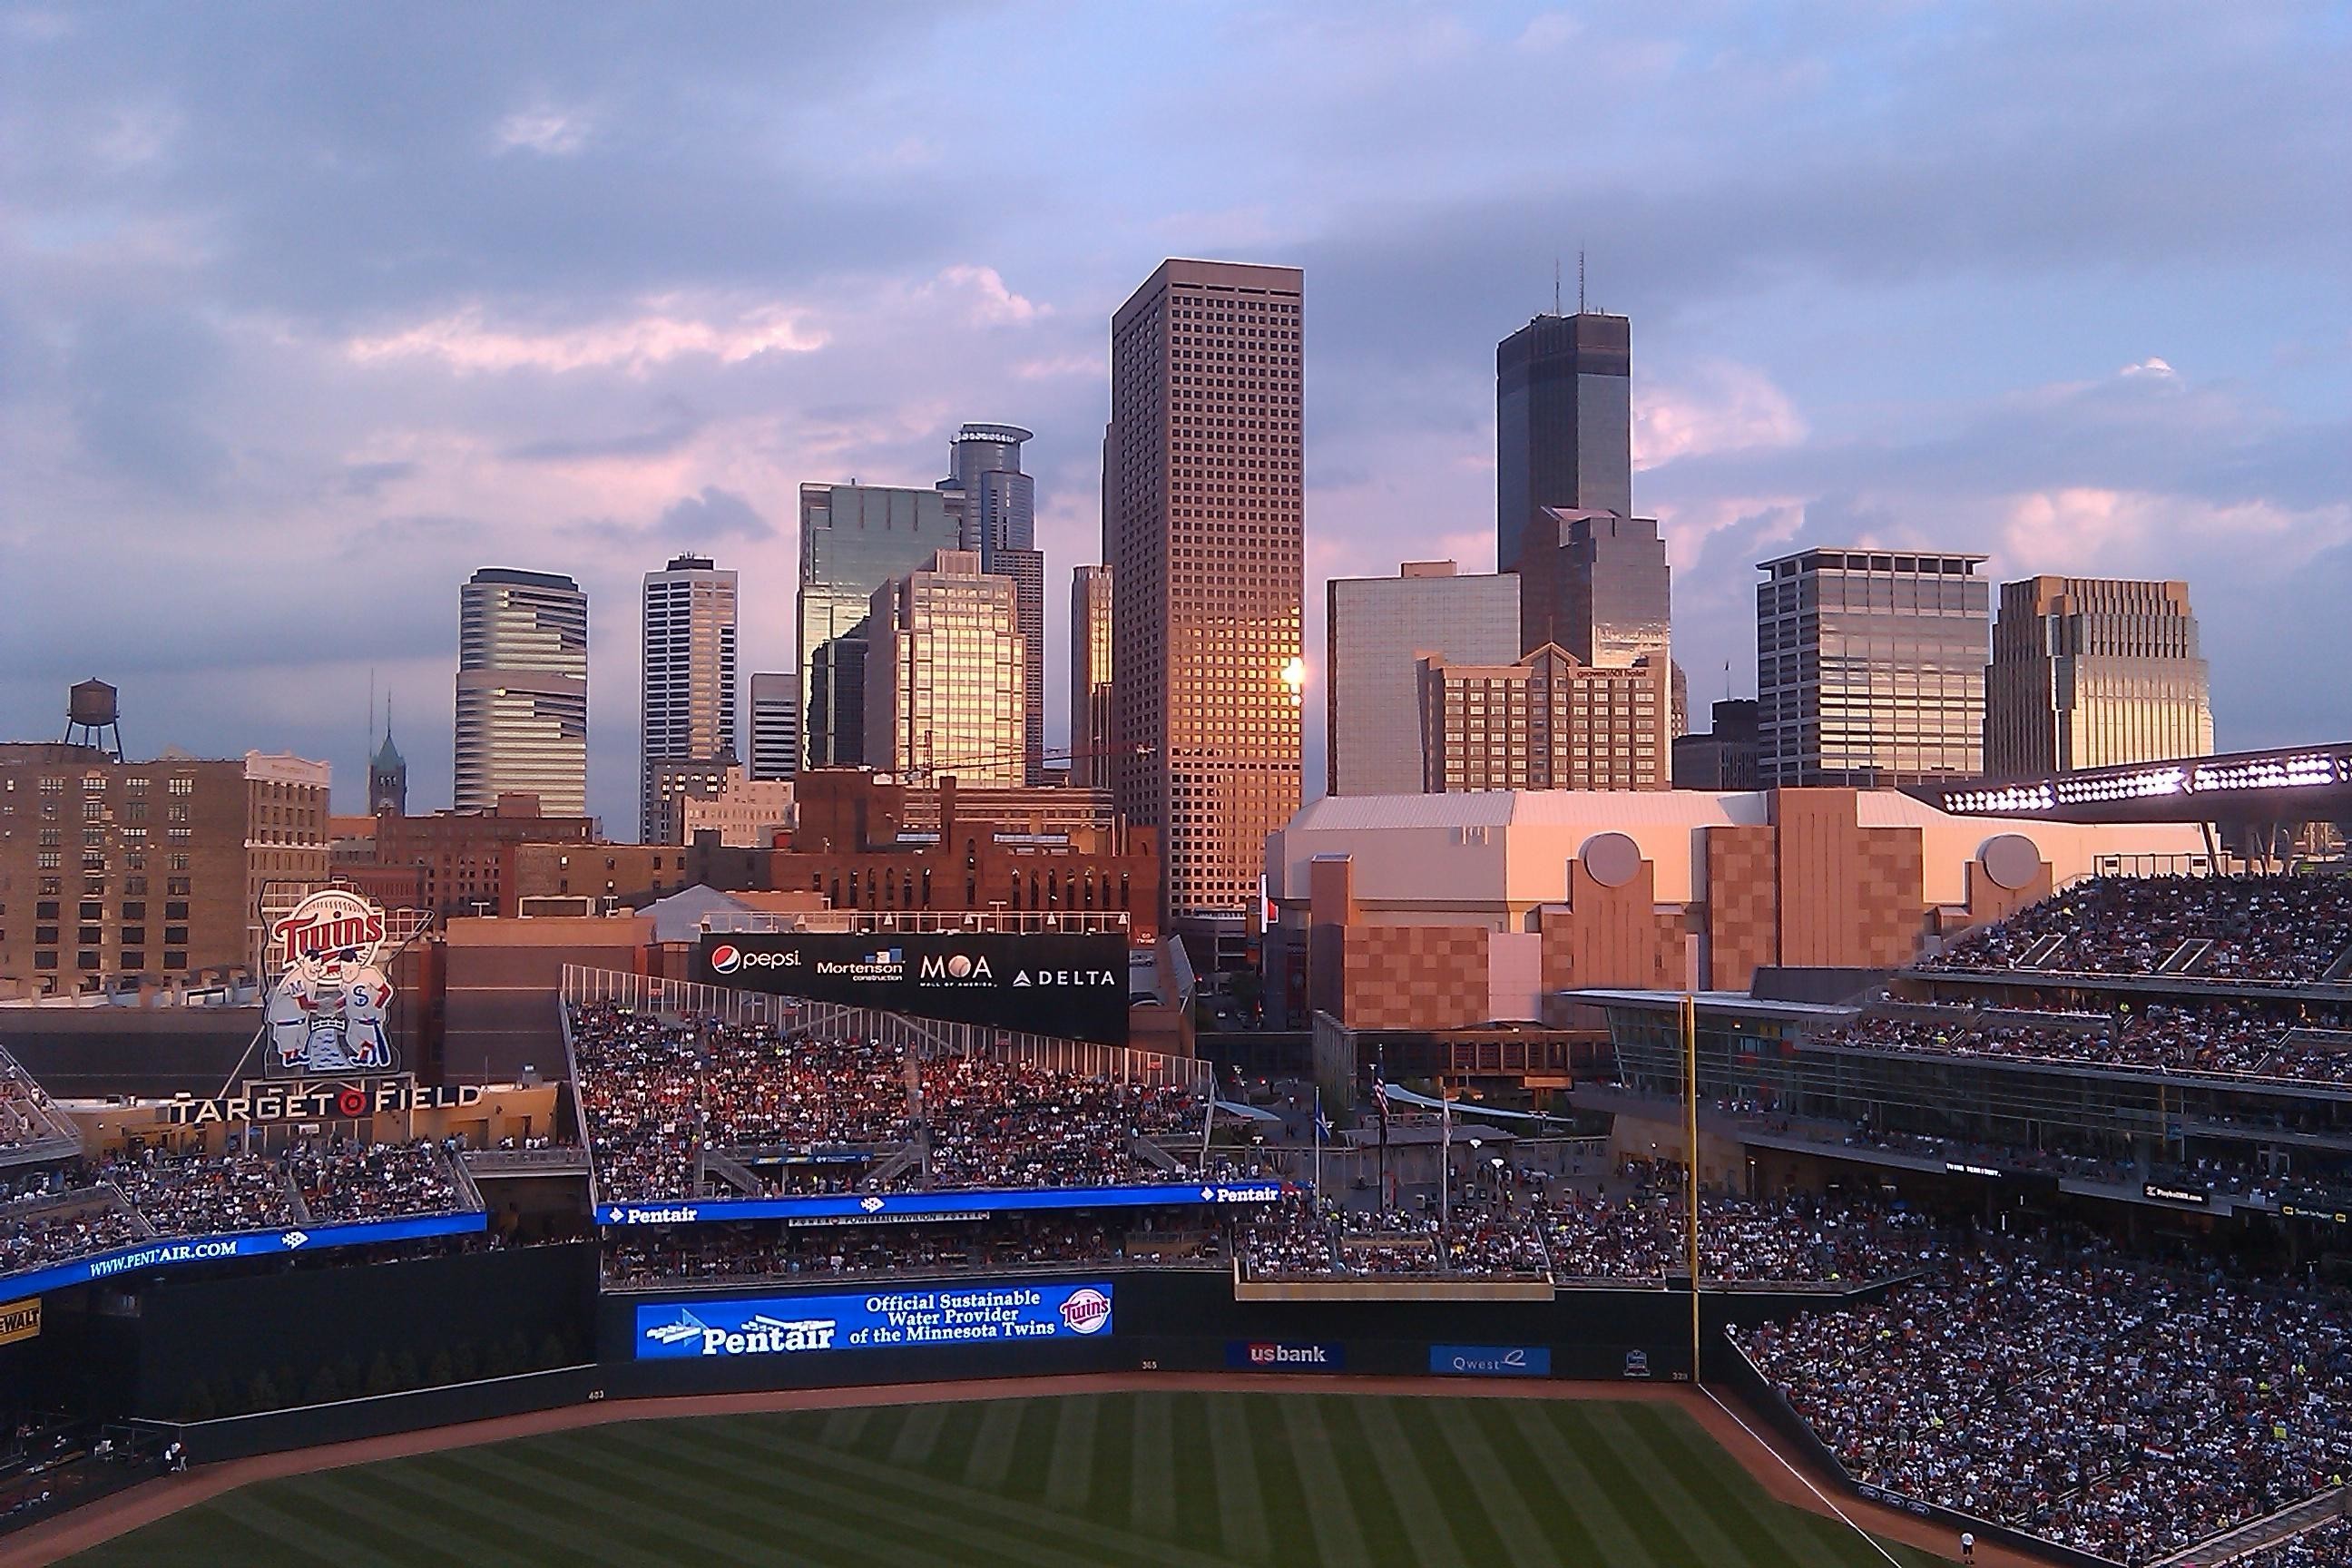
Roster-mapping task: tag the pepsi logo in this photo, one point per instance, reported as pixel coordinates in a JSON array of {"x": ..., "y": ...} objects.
[
  {"x": 726, "y": 959},
  {"x": 1087, "y": 1311}
]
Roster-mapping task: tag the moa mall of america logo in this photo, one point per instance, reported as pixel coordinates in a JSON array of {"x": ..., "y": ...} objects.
[{"x": 326, "y": 1014}]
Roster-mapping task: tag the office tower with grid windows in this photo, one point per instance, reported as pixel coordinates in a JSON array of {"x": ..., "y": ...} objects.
[
  {"x": 522, "y": 690},
  {"x": 1376, "y": 630},
  {"x": 945, "y": 672},
  {"x": 1090, "y": 600},
  {"x": 690, "y": 693},
  {"x": 853, "y": 539},
  {"x": 1204, "y": 525},
  {"x": 1545, "y": 720},
  {"x": 996, "y": 512},
  {"x": 1870, "y": 667},
  {"x": 776, "y": 727},
  {"x": 2092, "y": 672},
  {"x": 1563, "y": 437}
]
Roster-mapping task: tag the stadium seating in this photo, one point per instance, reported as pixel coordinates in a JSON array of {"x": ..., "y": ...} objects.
[
  {"x": 2251, "y": 930},
  {"x": 658, "y": 1090},
  {"x": 348, "y": 1181},
  {"x": 2119, "y": 1410},
  {"x": 2327, "y": 1545},
  {"x": 2236, "y": 1038}
]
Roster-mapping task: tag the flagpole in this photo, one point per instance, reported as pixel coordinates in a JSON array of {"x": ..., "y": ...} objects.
[
  {"x": 1318, "y": 1144},
  {"x": 1445, "y": 1157}
]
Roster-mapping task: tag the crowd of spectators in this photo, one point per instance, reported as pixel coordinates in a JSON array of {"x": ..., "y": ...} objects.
[
  {"x": 994, "y": 1246},
  {"x": 344, "y": 1179},
  {"x": 199, "y": 1194},
  {"x": 656, "y": 1090},
  {"x": 2122, "y": 1411},
  {"x": 2263, "y": 930},
  {"x": 1797, "y": 1239},
  {"x": 39, "y": 1229},
  {"x": 2230, "y": 1038},
  {"x": 2327, "y": 1545}
]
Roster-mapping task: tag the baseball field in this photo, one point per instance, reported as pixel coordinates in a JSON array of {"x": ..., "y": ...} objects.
[{"x": 1180, "y": 1477}]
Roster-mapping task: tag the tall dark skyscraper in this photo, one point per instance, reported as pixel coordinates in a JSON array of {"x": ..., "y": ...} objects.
[
  {"x": 996, "y": 505},
  {"x": 1203, "y": 523},
  {"x": 1563, "y": 424}
]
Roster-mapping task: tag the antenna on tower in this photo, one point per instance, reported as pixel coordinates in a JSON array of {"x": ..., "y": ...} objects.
[
  {"x": 1579, "y": 282},
  {"x": 1555, "y": 285}
]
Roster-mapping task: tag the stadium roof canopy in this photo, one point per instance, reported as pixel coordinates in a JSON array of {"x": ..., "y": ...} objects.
[{"x": 2297, "y": 783}]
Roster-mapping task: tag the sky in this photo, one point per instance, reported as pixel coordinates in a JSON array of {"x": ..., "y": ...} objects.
[{"x": 306, "y": 313}]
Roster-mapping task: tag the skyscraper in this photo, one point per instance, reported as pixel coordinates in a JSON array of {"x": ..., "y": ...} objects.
[
  {"x": 776, "y": 727},
  {"x": 1090, "y": 603},
  {"x": 1870, "y": 667},
  {"x": 853, "y": 539},
  {"x": 996, "y": 505},
  {"x": 1205, "y": 549},
  {"x": 1376, "y": 630},
  {"x": 689, "y": 695},
  {"x": 1563, "y": 424},
  {"x": 522, "y": 690},
  {"x": 1544, "y": 721},
  {"x": 2092, "y": 672},
  {"x": 944, "y": 675}
]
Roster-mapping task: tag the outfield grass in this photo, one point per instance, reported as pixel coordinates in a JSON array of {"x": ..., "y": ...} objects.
[{"x": 1184, "y": 1480}]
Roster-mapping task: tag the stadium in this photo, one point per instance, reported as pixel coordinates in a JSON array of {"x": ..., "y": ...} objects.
[{"x": 844, "y": 1244}]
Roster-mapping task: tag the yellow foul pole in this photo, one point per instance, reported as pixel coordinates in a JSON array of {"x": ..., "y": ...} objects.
[{"x": 1690, "y": 1152}]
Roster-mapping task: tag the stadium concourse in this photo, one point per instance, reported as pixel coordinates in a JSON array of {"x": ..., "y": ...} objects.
[{"x": 2045, "y": 1240}]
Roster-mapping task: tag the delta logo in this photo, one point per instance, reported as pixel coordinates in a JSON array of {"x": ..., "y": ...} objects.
[{"x": 1087, "y": 1311}]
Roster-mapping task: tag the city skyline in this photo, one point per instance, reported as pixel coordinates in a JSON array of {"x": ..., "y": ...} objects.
[{"x": 1962, "y": 352}]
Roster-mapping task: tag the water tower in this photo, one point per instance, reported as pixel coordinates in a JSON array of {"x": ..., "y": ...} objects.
[{"x": 91, "y": 718}]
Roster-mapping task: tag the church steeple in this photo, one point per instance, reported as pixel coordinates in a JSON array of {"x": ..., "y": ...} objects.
[{"x": 387, "y": 773}]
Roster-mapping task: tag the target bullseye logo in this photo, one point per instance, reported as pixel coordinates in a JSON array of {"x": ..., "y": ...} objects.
[
  {"x": 726, "y": 959},
  {"x": 351, "y": 1103}
]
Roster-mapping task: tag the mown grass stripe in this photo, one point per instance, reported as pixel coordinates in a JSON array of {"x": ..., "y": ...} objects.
[
  {"x": 1336, "y": 1538},
  {"x": 918, "y": 1434},
  {"x": 1151, "y": 1486},
  {"x": 1241, "y": 1512},
  {"x": 959, "y": 1427},
  {"x": 754, "y": 1519},
  {"x": 992, "y": 1445},
  {"x": 1069, "y": 1469},
  {"x": 1711, "y": 1519},
  {"x": 602, "y": 1526},
  {"x": 1517, "y": 1535},
  {"x": 1195, "y": 1483},
  {"x": 1771, "y": 1531},
  {"x": 1562, "y": 1526},
  {"x": 1367, "y": 1490},
  {"x": 1278, "y": 1484},
  {"x": 204, "y": 1537},
  {"x": 843, "y": 1428},
  {"x": 1616, "y": 1475},
  {"x": 1082, "y": 1534},
  {"x": 1419, "y": 1513},
  {"x": 1555, "y": 1436},
  {"x": 290, "y": 1531},
  {"x": 387, "y": 1498},
  {"x": 448, "y": 1485}
]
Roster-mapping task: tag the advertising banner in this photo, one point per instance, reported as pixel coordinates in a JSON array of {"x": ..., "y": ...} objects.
[
  {"x": 1491, "y": 1361},
  {"x": 976, "y": 1203},
  {"x": 1069, "y": 984},
  {"x": 886, "y": 1320},
  {"x": 179, "y": 1252},
  {"x": 20, "y": 1320},
  {"x": 1270, "y": 1355}
]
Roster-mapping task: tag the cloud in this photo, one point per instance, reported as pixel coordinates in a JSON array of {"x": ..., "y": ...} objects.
[
  {"x": 465, "y": 340},
  {"x": 552, "y": 133},
  {"x": 690, "y": 523},
  {"x": 1720, "y": 407},
  {"x": 990, "y": 302},
  {"x": 367, "y": 479}
]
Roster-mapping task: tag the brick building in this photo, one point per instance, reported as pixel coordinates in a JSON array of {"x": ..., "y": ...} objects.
[
  {"x": 1438, "y": 912},
  {"x": 465, "y": 858},
  {"x": 112, "y": 870}
]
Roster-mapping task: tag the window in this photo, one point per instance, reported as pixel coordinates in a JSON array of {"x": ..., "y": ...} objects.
[
  {"x": 45, "y": 961},
  {"x": 133, "y": 962},
  {"x": 45, "y": 936},
  {"x": 175, "y": 933},
  {"x": 175, "y": 961},
  {"x": 135, "y": 936},
  {"x": 86, "y": 960},
  {"x": 183, "y": 784},
  {"x": 46, "y": 910}
]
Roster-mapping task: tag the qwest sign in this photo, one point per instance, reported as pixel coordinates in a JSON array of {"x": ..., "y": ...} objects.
[{"x": 1066, "y": 983}]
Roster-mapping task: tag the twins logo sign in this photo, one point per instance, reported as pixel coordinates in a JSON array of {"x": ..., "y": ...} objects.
[{"x": 326, "y": 1014}]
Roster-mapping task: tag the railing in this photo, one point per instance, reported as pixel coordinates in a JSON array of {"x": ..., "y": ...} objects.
[{"x": 1028, "y": 922}]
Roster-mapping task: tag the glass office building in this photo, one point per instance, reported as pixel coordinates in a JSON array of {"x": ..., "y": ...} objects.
[
  {"x": 522, "y": 691},
  {"x": 1870, "y": 667},
  {"x": 853, "y": 539}
]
